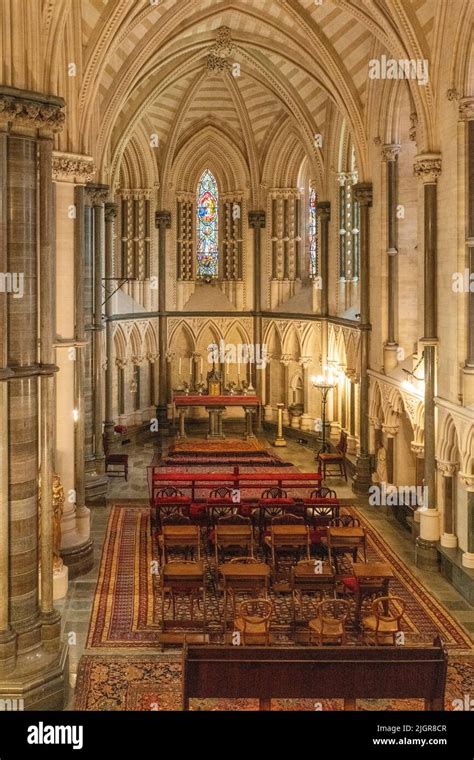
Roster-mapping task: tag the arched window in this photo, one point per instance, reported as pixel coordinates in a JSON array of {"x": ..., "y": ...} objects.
[
  {"x": 313, "y": 232},
  {"x": 207, "y": 226}
]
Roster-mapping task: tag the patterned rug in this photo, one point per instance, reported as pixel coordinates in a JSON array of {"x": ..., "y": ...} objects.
[
  {"x": 127, "y": 605},
  {"x": 154, "y": 683},
  {"x": 225, "y": 446}
]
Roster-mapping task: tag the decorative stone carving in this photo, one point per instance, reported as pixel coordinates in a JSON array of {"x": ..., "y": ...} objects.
[
  {"x": 135, "y": 193},
  {"x": 31, "y": 109},
  {"x": 466, "y": 109},
  {"x": 468, "y": 481},
  {"x": 390, "y": 152},
  {"x": 323, "y": 210},
  {"x": 121, "y": 363},
  {"x": 111, "y": 210},
  {"x": 58, "y": 509},
  {"x": 427, "y": 167},
  {"x": 380, "y": 474},
  {"x": 417, "y": 449},
  {"x": 217, "y": 59},
  {"x": 452, "y": 94},
  {"x": 137, "y": 359},
  {"x": 170, "y": 355},
  {"x": 73, "y": 167},
  {"x": 305, "y": 361},
  {"x": 343, "y": 177},
  {"x": 414, "y": 124},
  {"x": 448, "y": 469},
  {"x": 151, "y": 357},
  {"x": 98, "y": 194},
  {"x": 163, "y": 219},
  {"x": 256, "y": 219},
  {"x": 285, "y": 359},
  {"x": 363, "y": 193}
]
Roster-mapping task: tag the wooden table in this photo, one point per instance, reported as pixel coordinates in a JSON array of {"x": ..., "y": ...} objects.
[
  {"x": 183, "y": 577},
  {"x": 347, "y": 540},
  {"x": 180, "y": 537},
  {"x": 306, "y": 579},
  {"x": 372, "y": 577},
  {"x": 239, "y": 577}
]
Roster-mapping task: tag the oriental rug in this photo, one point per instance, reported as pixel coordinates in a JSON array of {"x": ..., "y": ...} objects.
[{"x": 127, "y": 603}]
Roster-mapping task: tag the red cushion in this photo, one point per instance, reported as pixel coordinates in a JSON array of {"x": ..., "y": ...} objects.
[
  {"x": 197, "y": 510},
  {"x": 245, "y": 510},
  {"x": 322, "y": 500},
  {"x": 172, "y": 500},
  {"x": 276, "y": 502},
  {"x": 350, "y": 583},
  {"x": 317, "y": 534},
  {"x": 219, "y": 500}
]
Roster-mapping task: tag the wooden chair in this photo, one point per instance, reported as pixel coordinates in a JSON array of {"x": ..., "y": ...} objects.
[
  {"x": 253, "y": 621},
  {"x": 233, "y": 534},
  {"x": 330, "y": 624},
  {"x": 346, "y": 544},
  {"x": 385, "y": 621},
  {"x": 169, "y": 501},
  {"x": 273, "y": 502},
  {"x": 118, "y": 461},
  {"x": 289, "y": 538},
  {"x": 176, "y": 585},
  {"x": 323, "y": 493},
  {"x": 179, "y": 535},
  {"x": 334, "y": 459}
]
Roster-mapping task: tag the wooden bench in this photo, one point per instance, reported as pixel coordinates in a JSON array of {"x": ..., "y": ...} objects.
[{"x": 343, "y": 672}]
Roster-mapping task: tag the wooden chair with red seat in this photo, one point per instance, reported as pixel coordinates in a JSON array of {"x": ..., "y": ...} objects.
[
  {"x": 169, "y": 501},
  {"x": 253, "y": 621},
  {"x": 385, "y": 621},
  {"x": 328, "y": 459},
  {"x": 119, "y": 461},
  {"x": 346, "y": 544},
  {"x": 329, "y": 626},
  {"x": 273, "y": 502}
]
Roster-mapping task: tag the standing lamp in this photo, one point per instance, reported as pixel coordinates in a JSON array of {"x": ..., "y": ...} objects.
[{"x": 324, "y": 384}]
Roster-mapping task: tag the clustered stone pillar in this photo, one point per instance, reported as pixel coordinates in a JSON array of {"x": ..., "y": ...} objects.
[
  {"x": 324, "y": 214},
  {"x": 466, "y": 115},
  {"x": 447, "y": 487},
  {"x": 163, "y": 223},
  {"x": 305, "y": 362},
  {"x": 257, "y": 220},
  {"x": 30, "y": 649},
  {"x": 363, "y": 477},
  {"x": 110, "y": 215},
  {"x": 390, "y": 155},
  {"x": 428, "y": 168}
]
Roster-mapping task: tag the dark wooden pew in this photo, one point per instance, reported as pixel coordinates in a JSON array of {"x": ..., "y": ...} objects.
[{"x": 348, "y": 673}]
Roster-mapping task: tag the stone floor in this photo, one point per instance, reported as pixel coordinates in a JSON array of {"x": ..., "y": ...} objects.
[{"x": 76, "y": 607}]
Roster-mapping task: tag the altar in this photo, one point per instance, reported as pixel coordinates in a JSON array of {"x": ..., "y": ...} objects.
[{"x": 215, "y": 405}]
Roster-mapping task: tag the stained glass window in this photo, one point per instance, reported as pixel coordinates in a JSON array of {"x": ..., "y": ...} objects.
[
  {"x": 207, "y": 226},
  {"x": 312, "y": 232}
]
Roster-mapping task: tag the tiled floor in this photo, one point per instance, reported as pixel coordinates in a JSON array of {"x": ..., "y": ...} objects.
[{"x": 76, "y": 607}]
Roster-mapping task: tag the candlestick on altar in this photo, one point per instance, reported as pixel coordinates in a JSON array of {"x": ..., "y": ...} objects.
[{"x": 179, "y": 367}]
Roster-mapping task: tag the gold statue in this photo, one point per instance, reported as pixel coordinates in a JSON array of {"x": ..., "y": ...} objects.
[{"x": 58, "y": 509}]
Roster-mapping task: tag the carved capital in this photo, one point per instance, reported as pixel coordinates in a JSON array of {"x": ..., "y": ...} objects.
[
  {"x": 151, "y": 357},
  {"x": 170, "y": 356},
  {"x": 163, "y": 219},
  {"x": 323, "y": 210},
  {"x": 305, "y": 361},
  {"x": 97, "y": 194},
  {"x": 390, "y": 152},
  {"x": 447, "y": 469},
  {"x": 285, "y": 359},
  {"x": 137, "y": 359},
  {"x": 466, "y": 109},
  {"x": 31, "y": 109},
  {"x": 71, "y": 167},
  {"x": 111, "y": 210},
  {"x": 256, "y": 219},
  {"x": 390, "y": 430},
  {"x": 363, "y": 193},
  {"x": 418, "y": 449},
  {"x": 427, "y": 167},
  {"x": 468, "y": 481},
  {"x": 121, "y": 363},
  {"x": 217, "y": 58}
]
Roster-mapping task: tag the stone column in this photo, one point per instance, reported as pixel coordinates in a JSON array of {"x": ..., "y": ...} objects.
[
  {"x": 50, "y": 617},
  {"x": 306, "y": 419},
  {"x": 466, "y": 115},
  {"x": 33, "y": 657},
  {"x": 285, "y": 361},
  {"x": 196, "y": 357},
  {"x": 110, "y": 216},
  {"x": 70, "y": 172},
  {"x": 389, "y": 156},
  {"x": 362, "y": 477},
  {"x": 448, "y": 473},
  {"x": 162, "y": 223},
  {"x": 468, "y": 556},
  {"x": 99, "y": 197},
  {"x": 428, "y": 168},
  {"x": 257, "y": 223},
  {"x": 324, "y": 214},
  {"x": 7, "y": 635}
]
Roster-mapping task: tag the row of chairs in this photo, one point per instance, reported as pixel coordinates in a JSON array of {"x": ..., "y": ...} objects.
[{"x": 381, "y": 626}]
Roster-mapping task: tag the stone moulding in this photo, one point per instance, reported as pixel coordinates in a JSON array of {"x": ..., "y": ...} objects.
[
  {"x": 31, "y": 109},
  {"x": 73, "y": 167}
]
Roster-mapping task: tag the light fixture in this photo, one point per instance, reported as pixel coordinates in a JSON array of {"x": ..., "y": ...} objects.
[
  {"x": 75, "y": 415},
  {"x": 324, "y": 384}
]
